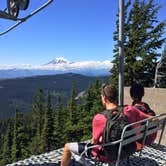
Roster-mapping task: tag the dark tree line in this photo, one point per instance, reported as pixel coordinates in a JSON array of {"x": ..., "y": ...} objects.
[{"x": 49, "y": 126}]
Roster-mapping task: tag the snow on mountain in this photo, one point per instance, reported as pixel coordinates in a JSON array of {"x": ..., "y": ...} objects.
[
  {"x": 59, "y": 60},
  {"x": 57, "y": 66}
]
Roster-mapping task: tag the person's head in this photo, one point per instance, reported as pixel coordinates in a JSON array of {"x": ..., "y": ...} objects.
[
  {"x": 137, "y": 92},
  {"x": 108, "y": 94}
]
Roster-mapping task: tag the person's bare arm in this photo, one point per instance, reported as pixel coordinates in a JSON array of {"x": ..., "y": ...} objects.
[{"x": 93, "y": 141}]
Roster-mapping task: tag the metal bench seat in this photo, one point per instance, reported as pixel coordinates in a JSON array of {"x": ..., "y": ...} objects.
[{"x": 144, "y": 128}]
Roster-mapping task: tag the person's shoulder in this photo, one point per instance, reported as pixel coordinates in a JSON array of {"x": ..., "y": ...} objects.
[
  {"x": 131, "y": 110},
  {"x": 99, "y": 118},
  {"x": 146, "y": 105}
]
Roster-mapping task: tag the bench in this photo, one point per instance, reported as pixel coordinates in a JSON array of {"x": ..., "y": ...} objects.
[{"x": 146, "y": 128}]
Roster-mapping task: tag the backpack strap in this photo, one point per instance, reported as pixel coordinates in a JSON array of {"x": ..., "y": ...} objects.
[
  {"x": 144, "y": 107},
  {"x": 109, "y": 114}
]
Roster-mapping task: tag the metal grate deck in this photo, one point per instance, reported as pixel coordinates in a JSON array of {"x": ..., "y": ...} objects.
[{"x": 151, "y": 156}]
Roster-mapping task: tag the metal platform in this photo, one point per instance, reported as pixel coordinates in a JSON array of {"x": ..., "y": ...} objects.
[{"x": 154, "y": 155}]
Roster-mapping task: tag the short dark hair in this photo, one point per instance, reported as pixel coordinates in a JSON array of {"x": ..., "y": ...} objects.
[
  {"x": 137, "y": 91},
  {"x": 109, "y": 92}
]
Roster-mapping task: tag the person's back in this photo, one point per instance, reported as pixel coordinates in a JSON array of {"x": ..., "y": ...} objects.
[
  {"x": 137, "y": 92},
  {"x": 108, "y": 98},
  {"x": 108, "y": 126}
]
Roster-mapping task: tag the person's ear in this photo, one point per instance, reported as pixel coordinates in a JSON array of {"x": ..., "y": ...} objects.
[{"x": 105, "y": 99}]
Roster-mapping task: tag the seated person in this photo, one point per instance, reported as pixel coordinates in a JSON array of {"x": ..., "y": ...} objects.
[
  {"x": 98, "y": 125},
  {"x": 108, "y": 98},
  {"x": 137, "y": 93}
]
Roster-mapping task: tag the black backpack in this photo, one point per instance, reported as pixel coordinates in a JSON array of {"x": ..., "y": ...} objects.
[
  {"x": 115, "y": 123},
  {"x": 144, "y": 107}
]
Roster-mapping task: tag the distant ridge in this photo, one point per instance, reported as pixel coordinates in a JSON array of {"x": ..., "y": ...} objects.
[{"x": 59, "y": 65}]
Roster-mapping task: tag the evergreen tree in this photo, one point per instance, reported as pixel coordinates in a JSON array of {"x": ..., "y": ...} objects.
[
  {"x": 48, "y": 127},
  {"x": 72, "y": 105},
  {"x": 7, "y": 145},
  {"x": 1, "y": 144},
  {"x": 143, "y": 37},
  {"x": 37, "y": 122},
  {"x": 72, "y": 132},
  {"x": 37, "y": 113},
  {"x": 97, "y": 104},
  {"x": 20, "y": 139},
  {"x": 91, "y": 105},
  {"x": 115, "y": 69},
  {"x": 59, "y": 121}
]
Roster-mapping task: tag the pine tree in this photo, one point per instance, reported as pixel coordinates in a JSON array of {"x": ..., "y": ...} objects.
[
  {"x": 48, "y": 127},
  {"x": 97, "y": 104},
  {"x": 72, "y": 105},
  {"x": 115, "y": 69},
  {"x": 1, "y": 143},
  {"x": 72, "y": 131},
  {"x": 59, "y": 121},
  {"x": 143, "y": 37},
  {"x": 37, "y": 113},
  {"x": 20, "y": 139},
  {"x": 7, "y": 144},
  {"x": 91, "y": 105},
  {"x": 37, "y": 122}
]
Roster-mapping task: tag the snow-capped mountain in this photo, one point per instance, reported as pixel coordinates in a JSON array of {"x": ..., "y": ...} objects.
[
  {"x": 59, "y": 60},
  {"x": 57, "y": 66}
]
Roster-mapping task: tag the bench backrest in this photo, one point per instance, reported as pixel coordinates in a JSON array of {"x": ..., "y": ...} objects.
[
  {"x": 142, "y": 129},
  {"x": 136, "y": 131}
]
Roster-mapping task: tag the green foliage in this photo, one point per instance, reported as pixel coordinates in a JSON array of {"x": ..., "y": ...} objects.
[
  {"x": 7, "y": 144},
  {"x": 48, "y": 127},
  {"x": 37, "y": 113},
  {"x": 37, "y": 122},
  {"x": 72, "y": 132},
  {"x": 143, "y": 38},
  {"x": 20, "y": 91},
  {"x": 59, "y": 122},
  {"x": 20, "y": 138},
  {"x": 115, "y": 69},
  {"x": 91, "y": 105},
  {"x": 44, "y": 129}
]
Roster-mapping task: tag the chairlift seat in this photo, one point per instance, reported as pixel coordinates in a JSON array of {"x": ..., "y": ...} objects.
[
  {"x": 146, "y": 128},
  {"x": 12, "y": 15}
]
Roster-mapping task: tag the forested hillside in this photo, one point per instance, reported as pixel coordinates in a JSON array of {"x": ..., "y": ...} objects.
[
  {"x": 18, "y": 93},
  {"x": 48, "y": 126}
]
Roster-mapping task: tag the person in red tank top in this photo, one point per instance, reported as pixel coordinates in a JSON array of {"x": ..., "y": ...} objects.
[
  {"x": 108, "y": 98},
  {"x": 137, "y": 92}
]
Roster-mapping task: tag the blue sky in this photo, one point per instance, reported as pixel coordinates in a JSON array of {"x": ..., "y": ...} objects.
[{"x": 77, "y": 30}]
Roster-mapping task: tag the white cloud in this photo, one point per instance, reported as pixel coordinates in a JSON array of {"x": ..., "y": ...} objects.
[{"x": 63, "y": 64}]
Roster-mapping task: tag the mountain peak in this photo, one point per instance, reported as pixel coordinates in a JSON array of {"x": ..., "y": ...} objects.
[{"x": 58, "y": 60}]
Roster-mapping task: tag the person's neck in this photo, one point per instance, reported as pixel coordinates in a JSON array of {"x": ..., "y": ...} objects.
[{"x": 110, "y": 106}]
